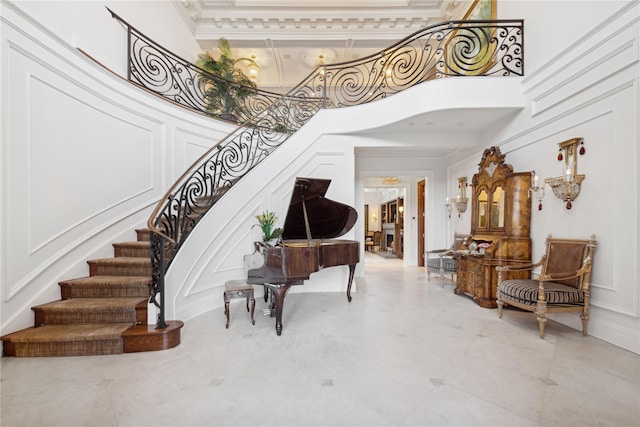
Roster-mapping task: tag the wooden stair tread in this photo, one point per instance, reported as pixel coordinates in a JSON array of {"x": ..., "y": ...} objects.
[
  {"x": 130, "y": 260},
  {"x": 143, "y": 234},
  {"x": 120, "y": 266},
  {"x": 140, "y": 330},
  {"x": 106, "y": 287},
  {"x": 97, "y": 304},
  {"x": 135, "y": 244},
  {"x": 108, "y": 280},
  {"x": 148, "y": 338},
  {"x": 70, "y": 332},
  {"x": 133, "y": 249}
]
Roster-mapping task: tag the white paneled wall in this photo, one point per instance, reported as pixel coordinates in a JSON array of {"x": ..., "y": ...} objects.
[
  {"x": 589, "y": 90},
  {"x": 85, "y": 157},
  {"x": 88, "y": 25}
]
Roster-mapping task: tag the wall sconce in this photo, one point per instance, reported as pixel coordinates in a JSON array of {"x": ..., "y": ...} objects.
[
  {"x": 461, "y": 200},
  {"x": 536, "y": 191},
  {"x": 449, "y": 207},
  {"x": 567, "y": 186}
]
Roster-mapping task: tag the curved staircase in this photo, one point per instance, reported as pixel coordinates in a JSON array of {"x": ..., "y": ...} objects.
[{"x": 105, "y": 313}]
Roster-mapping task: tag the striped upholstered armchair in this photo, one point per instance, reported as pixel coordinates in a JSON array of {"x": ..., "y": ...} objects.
[
  {"x": 441, "y": 261},
  {"x": 561, "y": 286}
]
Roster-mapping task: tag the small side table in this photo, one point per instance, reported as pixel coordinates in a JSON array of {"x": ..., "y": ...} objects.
[{"x": 238, "y": 289}]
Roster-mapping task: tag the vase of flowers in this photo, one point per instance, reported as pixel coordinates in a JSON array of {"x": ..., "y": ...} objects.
[{"x": 266, "y": 222}]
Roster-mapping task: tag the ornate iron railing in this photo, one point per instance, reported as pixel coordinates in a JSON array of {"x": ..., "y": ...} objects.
[
  {"x": 158, "y": 70},
  {"x": 457, "y": 48}
]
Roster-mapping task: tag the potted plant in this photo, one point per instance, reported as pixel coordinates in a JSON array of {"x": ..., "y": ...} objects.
[
  {"x": 266, "y": 222},
  {"x": 225, "y": 94}
]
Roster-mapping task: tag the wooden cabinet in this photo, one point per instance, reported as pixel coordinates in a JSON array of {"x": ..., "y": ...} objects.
[
  {"x": 476, "y": 276},
  {"x": 467, "y": 273},
  {"x": 500, "y": 227}
]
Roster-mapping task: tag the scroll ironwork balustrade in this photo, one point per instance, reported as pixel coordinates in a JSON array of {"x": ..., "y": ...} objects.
[
  {"x": 158, "y": 70},
  {"x": 450, "y": 49}
]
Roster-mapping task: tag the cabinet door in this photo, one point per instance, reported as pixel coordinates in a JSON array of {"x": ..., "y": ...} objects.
[
  {"x": 483, "y": 210},
  {"x": 465, "y": 276},
  {"x": 497, "y": 213}
]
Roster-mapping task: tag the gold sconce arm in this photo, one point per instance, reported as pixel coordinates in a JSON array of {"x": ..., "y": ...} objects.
[
  {"x": 537, "y": 191},
  {"x": 449, "y": 207}
]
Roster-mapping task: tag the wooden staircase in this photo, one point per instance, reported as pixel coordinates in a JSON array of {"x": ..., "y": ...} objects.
[{"x": 105, "y": 313}]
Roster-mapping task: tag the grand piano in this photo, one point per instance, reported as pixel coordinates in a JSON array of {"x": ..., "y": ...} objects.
[{"x": 307, "y": 244}]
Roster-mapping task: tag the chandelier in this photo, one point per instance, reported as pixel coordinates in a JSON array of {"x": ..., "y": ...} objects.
[
  {"x": 253, "y": 69},
  {"x": 391, "y": 180}
]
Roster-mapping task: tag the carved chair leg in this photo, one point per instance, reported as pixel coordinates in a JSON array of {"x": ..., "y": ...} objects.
[
  {"x": 541, "y": 314},
  {"x": 500, "y": 305},
  {"x": 428, "y": 275},
  {"x": 585, "y": 319},
  {"x": 542, "y": 320}
]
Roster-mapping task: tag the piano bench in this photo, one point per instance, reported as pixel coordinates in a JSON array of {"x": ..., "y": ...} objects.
[{"x": 238, "y": 289}]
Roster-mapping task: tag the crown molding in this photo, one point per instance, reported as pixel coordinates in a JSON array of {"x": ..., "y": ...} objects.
[{"x": 252, "y": 19}]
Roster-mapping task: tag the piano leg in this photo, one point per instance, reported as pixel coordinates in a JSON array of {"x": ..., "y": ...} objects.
[
  {"x": 278, "y": 292},
  {"x": 352, "y": 270}
]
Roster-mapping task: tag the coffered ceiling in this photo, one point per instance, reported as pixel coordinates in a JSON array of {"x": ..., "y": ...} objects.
[{"x": 288, "y": 36}]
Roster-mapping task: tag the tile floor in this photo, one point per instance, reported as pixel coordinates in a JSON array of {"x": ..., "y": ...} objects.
[{"x": 405, "y": 352}]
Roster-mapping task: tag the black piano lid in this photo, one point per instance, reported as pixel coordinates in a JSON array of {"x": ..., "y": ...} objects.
[{"x": 327, "y": 218}]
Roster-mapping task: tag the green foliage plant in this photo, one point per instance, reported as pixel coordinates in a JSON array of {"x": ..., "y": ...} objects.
[
  {"x": 266, "y": 222},
  {"x": 226, "y": 91}
]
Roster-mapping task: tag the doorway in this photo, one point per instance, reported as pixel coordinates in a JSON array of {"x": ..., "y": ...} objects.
[
  {"x": 366, "y": 219},
  {"x": 421, "y": 218}
]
